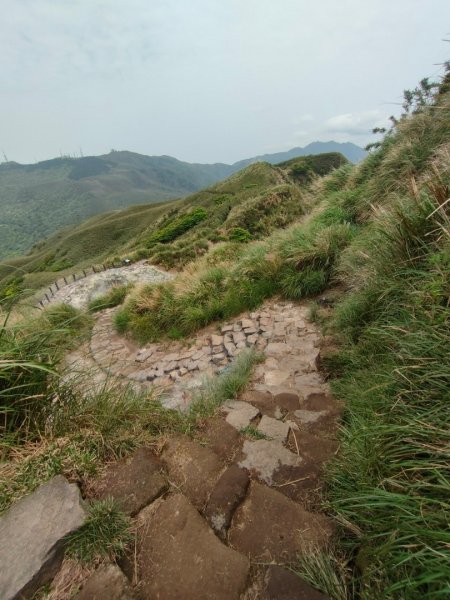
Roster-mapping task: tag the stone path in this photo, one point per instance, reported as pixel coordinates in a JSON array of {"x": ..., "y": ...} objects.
[
  {"x": 279, "y": 329},
  {"x": 80, "y": 292},
  {"x": 223, "y": 514}
]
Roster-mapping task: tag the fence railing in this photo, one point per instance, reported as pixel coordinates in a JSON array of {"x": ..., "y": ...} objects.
[{"x": 69, "y": 279}]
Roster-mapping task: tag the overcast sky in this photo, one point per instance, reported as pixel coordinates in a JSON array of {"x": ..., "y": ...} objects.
[{"x": 207, "y": 80}]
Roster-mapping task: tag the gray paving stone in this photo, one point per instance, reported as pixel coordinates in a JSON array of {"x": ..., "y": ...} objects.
[{"x": 32, "y": 533}]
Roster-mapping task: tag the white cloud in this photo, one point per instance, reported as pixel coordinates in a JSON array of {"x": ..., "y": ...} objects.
[{"x": 358, "y": 123}]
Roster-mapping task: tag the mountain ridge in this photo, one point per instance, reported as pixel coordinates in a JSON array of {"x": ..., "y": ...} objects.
[{"x": 67, "y": 190}]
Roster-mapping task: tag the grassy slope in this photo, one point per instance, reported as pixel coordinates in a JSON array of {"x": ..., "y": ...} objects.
[
  {"x": 64, "y": 191},
  {"x": 240, "y": 201},
  {"x": 381, "y": 231}
]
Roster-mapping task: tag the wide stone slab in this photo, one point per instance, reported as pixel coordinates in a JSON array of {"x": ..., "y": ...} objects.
[
  {"x": 179, "y": 557},
  {"x": 269, "y": 526},
  {"x": 134, "y": 482},
  {"x": 31, "y": 537},
  {"x": 192, "y": 468}
]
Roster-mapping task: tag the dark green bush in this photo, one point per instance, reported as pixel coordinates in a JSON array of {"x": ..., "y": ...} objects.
[
  {"x": 239, "y": 234},
  {"x": 177, "y": 227}
]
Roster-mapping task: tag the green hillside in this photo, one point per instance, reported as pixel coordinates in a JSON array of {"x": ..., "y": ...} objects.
[
  {"x": 369, "y": 246},
  {"x": 378, "y": 234},
  {"x": 36, "y": 200},
  {"x": 246, "y": 206}
]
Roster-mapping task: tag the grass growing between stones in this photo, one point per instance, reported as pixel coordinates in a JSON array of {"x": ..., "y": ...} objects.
[
  {"x": 295, "y": 263},
  {"x": 252, "y": 432},
  {"x": 226, "y": 386},
  {"x": 105, "y": 534}
]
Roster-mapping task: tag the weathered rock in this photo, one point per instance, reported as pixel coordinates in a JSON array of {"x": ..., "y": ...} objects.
[
  {"x": 106, "y": 583},
  {"x": 247, "y": 324},
  {"x": 240, "y": 414},
  {"x": 277, "y": 348},
  {"x": 238, "y": 337},
  {"x": 32, "y": 534},
  {"x": 265, "y": 457},
  {"x": 134, "y": 482},
  {"x": 222, "y": 438},
  {"x": 269, "y": 526},
  {"x": 226, "y": 329},
  {"x": 274, "y": 429},
  {"x": 179, "y": 557},
  {"x": 216, "y": 340},
  {"x": 230, "y": 348},
  {"x": 192, "y": 468},
  {"x": 143, "y": 355},
  {"x": 262, "y": 400},
  {"x": 276, "y": 378},
  {"x": 309, "y": 416},
  {"x": 228, "y": 493},
  {"x": 281, "y": 584},
  {"x": 288, "y": 401}
]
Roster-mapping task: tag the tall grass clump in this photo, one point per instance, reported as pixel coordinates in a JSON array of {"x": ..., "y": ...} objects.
[
  {"x": 29, "y": 353},
  {"x": 390, "y": 484},
  {"x": 105, "y": 534}
]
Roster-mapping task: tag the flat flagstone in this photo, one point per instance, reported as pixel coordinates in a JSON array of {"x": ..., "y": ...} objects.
[
  {"x": 192, "y": 468},
  {"x": 226, "y": 496},
  {"x": 32, "y": 536},
  {"x": 240, "y": 414},
  {"x": 309, "y": 416},
  {"x": 265, "y": 457},
  {"x": 133, "y": 482},
  {"x": 179, "y": 557},
  {"x": 106, "y": 583},
  {"x": 269, "y": 526},
  {"x": 274, "y": 429}
]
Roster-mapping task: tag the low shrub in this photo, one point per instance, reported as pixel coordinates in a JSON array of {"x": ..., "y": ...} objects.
[{"x": 115, "y": 296}]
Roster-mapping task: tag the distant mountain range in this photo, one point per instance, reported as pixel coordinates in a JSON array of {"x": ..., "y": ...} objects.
[
  {"x": 38, "y": 199},
  {"x": 351, "y": 152}
]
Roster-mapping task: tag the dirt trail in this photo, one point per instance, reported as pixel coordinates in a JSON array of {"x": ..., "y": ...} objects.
[{"x": 251, "y": 475}]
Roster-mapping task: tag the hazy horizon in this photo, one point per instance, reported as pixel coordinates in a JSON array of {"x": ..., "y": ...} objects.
[{"x": 207, "y": 81}]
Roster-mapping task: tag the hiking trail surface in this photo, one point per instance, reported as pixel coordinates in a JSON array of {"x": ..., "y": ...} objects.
[{"x": 222, "y": 514}]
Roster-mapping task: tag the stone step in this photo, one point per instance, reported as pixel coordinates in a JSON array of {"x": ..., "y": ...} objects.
[
  {"x": 134, "y": 482},
  {"x": 192, "y": 468},
  {"x": 179, "y": 557},
  {"x": 268, "y": 527}
]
